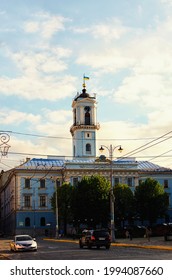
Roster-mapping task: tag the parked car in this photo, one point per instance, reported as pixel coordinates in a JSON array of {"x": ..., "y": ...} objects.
[
  {"x": 95, "y": 238},
  {"x": 23, "y": 243}
]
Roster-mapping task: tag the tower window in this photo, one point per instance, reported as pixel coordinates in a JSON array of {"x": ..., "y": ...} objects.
[
  {"x": 88, "y": 148},
  {"x": 87, "y": 118},
  {"x": 74, "y": 116}
]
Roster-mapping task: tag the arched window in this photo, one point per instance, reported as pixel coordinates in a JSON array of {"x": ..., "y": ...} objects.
[
  {"x": 74, "y": 116},
  {"x": 88, "y": 148},
  {"x": 42, "y": 221},
  {"x": 27, "y": 222},
  {"x": 87, "y": 118}
]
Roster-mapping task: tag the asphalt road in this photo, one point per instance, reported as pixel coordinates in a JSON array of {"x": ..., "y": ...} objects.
[{"x": 52, "y": 250}]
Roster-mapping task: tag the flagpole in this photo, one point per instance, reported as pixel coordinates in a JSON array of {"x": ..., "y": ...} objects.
[{"x": 84, "y": 86}]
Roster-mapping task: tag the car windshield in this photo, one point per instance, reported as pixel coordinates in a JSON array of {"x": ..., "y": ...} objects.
[
  {"x": 23, "y": 238},
  {"x": 101, "y": 233}
]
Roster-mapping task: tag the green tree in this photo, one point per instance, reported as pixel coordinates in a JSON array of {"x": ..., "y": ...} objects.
[
  {"x": 91, "y": 203},
  {"x": 124, "y": 203},
  {"x": 151, "y": 201},
  {"x": 64, "y": 198}
]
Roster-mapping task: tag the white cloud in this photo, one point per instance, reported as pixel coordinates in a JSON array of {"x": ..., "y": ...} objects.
[
  {"x": 111, "y": 29},
  {"x": 60, "y": 116},
  {"x": 45, "y": 25},
  {"x": 168, "y": 2},
  {"x": 44, "y": 88},
  {"x": 47, "y": 62},
  {"x": 8, "y": 117}
]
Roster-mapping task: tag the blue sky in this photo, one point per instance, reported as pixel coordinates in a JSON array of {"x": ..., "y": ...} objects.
[{"x": 125, "y": 47}]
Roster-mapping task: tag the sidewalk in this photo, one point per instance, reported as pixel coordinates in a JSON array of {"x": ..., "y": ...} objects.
[{"x": 154, "y": 243}]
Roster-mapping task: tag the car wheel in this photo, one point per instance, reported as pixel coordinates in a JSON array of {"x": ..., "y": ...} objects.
[
  {"x": 98, "y": 247},
  {"x": 107, "y": 247},
  {"x": 80, "y": 245}
]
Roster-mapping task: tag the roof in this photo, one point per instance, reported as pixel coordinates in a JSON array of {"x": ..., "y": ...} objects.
[
  {"x": 41, "y": 163},
  {"x": 149, "y": 166}
]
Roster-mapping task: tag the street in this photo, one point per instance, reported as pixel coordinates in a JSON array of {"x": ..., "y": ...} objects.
[{"x": 58, "y": 250}]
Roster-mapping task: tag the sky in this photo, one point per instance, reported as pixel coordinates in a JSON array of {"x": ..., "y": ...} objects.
[{"x": 124, "y": 47}]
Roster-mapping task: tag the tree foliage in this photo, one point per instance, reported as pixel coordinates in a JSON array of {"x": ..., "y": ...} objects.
[
  {"x": 151, "y": 201},
  {"x": 64, "y": 202},
  {"x": 124, "y": 202},
  {"x": 91, "y": 203}
]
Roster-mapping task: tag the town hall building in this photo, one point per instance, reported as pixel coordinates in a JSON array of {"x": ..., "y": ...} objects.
[{"x": 26, "y": 191}]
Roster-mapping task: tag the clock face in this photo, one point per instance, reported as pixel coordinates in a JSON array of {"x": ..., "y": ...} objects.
[{"x": 87, "y": 108}]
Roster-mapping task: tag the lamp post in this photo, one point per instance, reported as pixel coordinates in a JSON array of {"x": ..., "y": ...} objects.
[
  {"x": 56, "y": 185},
  {"x": 112, "y": 198},
  {"x": 57, "y": 212},
  {"x": 4, "y": 147}
]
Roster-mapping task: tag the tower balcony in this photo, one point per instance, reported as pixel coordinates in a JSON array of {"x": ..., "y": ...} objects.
[{"x": 77, "y": 126}]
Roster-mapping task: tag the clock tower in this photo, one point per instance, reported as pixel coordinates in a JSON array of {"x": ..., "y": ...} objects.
[{"x": 84, "y": 125}]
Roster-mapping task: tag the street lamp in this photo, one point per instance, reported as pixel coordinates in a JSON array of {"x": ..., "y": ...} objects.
[
  {"x": 4, "y": 147},
  {"x": 112, "y": 198},
  {"x": 56, "y": 185},
  {"x": 57, "y": 213}
]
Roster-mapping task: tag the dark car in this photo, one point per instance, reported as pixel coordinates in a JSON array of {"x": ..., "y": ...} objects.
[{"x": 95, "y": 238}]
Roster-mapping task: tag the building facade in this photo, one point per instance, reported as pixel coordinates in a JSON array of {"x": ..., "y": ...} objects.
[{"x": 26, "y": 191}]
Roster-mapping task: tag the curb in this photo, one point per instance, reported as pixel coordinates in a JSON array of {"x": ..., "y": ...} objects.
[{"x": 156, "y": 247}]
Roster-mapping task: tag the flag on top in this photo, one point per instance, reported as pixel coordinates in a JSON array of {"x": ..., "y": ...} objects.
[{"x": 86, "y": 78}]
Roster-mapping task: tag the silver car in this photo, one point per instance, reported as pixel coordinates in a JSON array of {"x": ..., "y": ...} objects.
[{"x": 23, "y": 243}]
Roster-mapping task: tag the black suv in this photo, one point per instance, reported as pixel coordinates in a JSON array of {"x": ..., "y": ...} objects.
[{"x": 95, "y": 238}]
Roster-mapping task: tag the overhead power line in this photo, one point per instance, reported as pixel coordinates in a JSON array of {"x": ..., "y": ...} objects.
[
  {"x": 70, "y": 138},
  {"x": 144, "y": 147}
]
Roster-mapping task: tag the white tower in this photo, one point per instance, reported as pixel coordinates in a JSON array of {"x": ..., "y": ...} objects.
[{"x": 84, "y": 125}]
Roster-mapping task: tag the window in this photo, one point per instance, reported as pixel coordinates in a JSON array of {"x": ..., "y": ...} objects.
[
  {"x": 57, "y": 183},
  {"x": 75, "y": 181},
  {"x": 116, "y": 181},
  {"x": 74, "y": 151},
  {"x": 87, "y": 118},
  {"x": 140, "y": 182},
  {"x": 27, "y": 222},
  {"x": 129, "y": 182},
  {"x": 165, "y": 183},
  {"x": 88, "y": 149},
  {"x": 74, "y": 116},
  {"x": 42, "y": 183},
  {"x": 42, "y": 221},
  {"x": 42, "y": 201},
  {"x": 27, "y": 201},
  {"x": 27, "y": 183}
]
